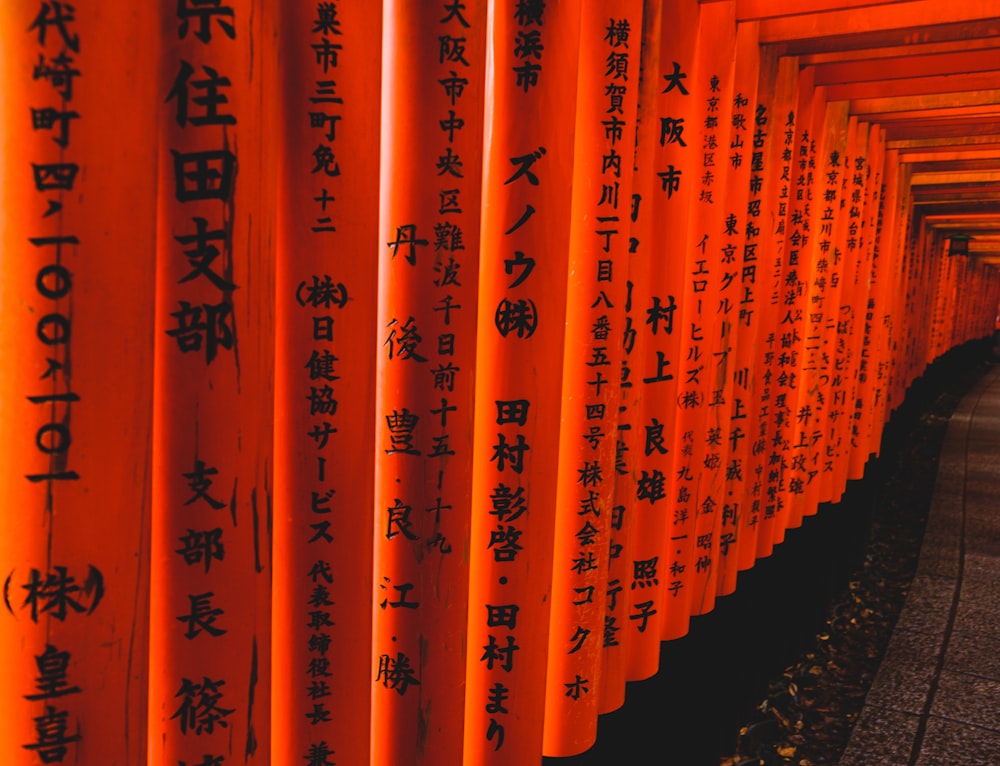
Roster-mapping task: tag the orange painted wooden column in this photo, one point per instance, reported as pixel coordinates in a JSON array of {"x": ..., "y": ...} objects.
[
  {"x": 803, "y": 454},
  {"x": 912, "y": 300},
  {"x": 704, "y": 372},
  {"x": 656, "y": 300},
  {"x": 970, "y": 291},
  {"x": 78, "y": 203},
  {"x": 888, "y": 267},
  {"x": 914, "y": 267},
  {"x": 792, "y": 312},
  {"x": 989, "y": 299},
  {"x": 431, "y": 160},
  {"x": 953, "y": 299},
  {"x": 760, "y": 277},
  {"x": 325, "y": 344},
  {"x": 875, "y": 329},
  {"x": 212, "y": 400},
  {"x": 971, "y": 321},
  {"x": 991, "y": 278},
  {"x": 929, "y": 267},
  {"x": 956, "y": 269},
  {"x": 959, "y": 303},
  {"x": 832, "y": 374},
  {"x": 866, "y": 199},
  {"x": 823, "y": 263},
  {"x": 974, "y": 324},
  {"x": 596, "y": 293},
  {"x": 979, "y": 320},
  {"x": 780, "y": 198},
  {"x": 917, "y": 299},
  {"x": 884, "y": 260},
  {"x": 630, "y": 444},
  {"x": 530, "y": 96},
  {"x": 942, "y": 290},
  {"x": 965, "y": 298},
  {"x": 736, "y": 306},
  {"x": 945, "y": 295},
  {"x": 898, "y": 296},
  {"x": 799, "y": 459},
  {"x": 939, "y": 290},
  {"x": 966, "y": 301},
  {"x": 949, "y": 297},
  {"x": 908, "y": 268},
  {"x": 698, "y": 374},
  {"x": 937, "y": 269}
]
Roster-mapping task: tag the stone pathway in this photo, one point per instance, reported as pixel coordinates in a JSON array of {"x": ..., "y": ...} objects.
[{"x": 935, "y": 700}]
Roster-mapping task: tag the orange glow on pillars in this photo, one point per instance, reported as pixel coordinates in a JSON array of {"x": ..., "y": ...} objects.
[
  {"x": 699, "y": 433},
  {"x": 886, "y": 254},
  {"x": 660, "y": 535},
  {"x": 789, "y": 332},
  {"x": 739, "y": 305},
  {"x": 326, "y": 276},
  {"x": 833, "y": 419},
  {"x": 528, "y": 160},
  {"x": 595, "y": 307},
  {"x": 866, "y": 368},
  {"x": 822, "y": 264},
  {"x": 76, "y": 367},
  {"x": 427, "y": 249},
  {"x": 620, "y": 632},
  {"x": 212, "y": 397},
  {"x": 631, "y": 444},
  {"x": 778, "y": 87}
]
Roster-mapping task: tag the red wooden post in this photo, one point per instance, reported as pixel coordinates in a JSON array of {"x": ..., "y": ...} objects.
[{"x": 325, "y": 337}]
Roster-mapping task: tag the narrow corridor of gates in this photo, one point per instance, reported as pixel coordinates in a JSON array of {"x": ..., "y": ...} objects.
[{"x": 386, "y": 382}]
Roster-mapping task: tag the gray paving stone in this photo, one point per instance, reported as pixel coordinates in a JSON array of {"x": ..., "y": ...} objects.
[
  {"x": 950, "y": 482},
  {"x": 981, "y": 451},
  {"x": 927, "y": 605},
  {"x": 974, "y": 654},
  {"x": 947, "y": 743},
  {"x": 980, "y": 540},
  {"x": 963, "y": 728},
  {"x": 903, "y": 680},
  {"x": 986, "y": 417},
  {"x": 978, "y": 567},
  {"x": 939, "y": 561},
  {"x": 981, "y": 473},
  {"x": 981, "y": 591},
  {"x": 984, "y": 511},
  {"x": 981, "y": 501},
  {"x": 968, "y": 699},
  {"x": 881, "y": 737},
  {"x": 977, "y": 618},
  {"x": 944, "y": 535}
]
